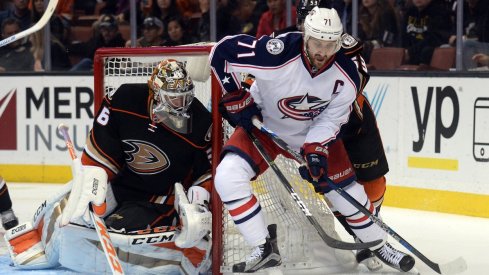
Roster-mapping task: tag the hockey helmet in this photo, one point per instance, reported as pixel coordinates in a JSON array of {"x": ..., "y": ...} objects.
[
  {"x": 323, "y": 24},
  {"x": 173, "y": 92}
]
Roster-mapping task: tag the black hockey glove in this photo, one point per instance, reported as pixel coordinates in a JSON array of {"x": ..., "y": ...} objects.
[
  {"x": 239, "y": 108},
  {"x": 316, "y": 171}
]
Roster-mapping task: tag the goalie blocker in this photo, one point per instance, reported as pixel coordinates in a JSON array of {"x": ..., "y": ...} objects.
[{"x": 44, "y": 243}]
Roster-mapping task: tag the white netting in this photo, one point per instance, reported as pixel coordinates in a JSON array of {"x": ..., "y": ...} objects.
[
  {"x": 296, "y": 237},
  {"x": 120, "y": 70}
]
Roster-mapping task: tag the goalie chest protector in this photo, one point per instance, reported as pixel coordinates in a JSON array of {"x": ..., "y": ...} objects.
[{"x": 151, "y": 156}]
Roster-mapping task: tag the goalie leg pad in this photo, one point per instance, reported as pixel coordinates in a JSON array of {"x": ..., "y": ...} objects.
[
  {"x": 25, "y": 247},
  {"x": 197, "y": 260}
]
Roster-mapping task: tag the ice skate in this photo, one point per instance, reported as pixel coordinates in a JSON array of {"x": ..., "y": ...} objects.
[
  {"x": 367, "y": 258},
  {"x": 263, "y": 256},
  {"x": 9, "y": 219},
  {"x": 394, "y": 258}
]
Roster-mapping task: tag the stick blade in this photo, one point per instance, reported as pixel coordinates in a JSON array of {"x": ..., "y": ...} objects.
[
  {"x": 456, "y": 266},
  {"x": 351, "y": 246}
]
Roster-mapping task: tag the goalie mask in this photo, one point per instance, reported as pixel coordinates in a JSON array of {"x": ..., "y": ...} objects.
[
  {"x": 324, "y": 27},
  {"x": 173, "y": 92}
]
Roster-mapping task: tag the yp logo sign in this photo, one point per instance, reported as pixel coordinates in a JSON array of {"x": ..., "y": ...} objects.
[{"x": 8, "y": 120}]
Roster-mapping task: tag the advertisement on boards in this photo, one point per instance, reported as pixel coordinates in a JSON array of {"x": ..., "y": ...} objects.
[
  {"x": 435, "y": 131},
  {"x": 31, "y": 108}
]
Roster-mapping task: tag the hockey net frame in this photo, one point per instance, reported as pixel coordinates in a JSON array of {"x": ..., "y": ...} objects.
[{"x": 296, "y": 237}]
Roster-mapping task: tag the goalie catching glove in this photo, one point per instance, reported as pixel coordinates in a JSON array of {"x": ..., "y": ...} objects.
[
  {"x": 316, "y": 170},
  {"x": 195, "y": 217},
  {"x": 239, "y": 108},
  {"x": 89, "y": 187}
]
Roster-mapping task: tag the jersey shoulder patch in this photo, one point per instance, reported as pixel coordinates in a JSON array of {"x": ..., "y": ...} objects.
[
  {"x": 348, "y": 41},
  {"x": 350, "y": 45},
  {"x": 275, "y": 46}
]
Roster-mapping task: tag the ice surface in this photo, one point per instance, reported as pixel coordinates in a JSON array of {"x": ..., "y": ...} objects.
[{"x": 440, "y": 237}]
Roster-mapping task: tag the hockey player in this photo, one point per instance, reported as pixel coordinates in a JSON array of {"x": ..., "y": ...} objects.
[
  {"x": 150, "y": 141},
  {"x": 306, "y": 86},
  {"x": 9, "y": 219},
  {"x": 360, "y": 134}
]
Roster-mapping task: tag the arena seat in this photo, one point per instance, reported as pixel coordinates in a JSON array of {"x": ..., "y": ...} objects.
[
  {"x": 81, "y": 33},
  {"x": 443, "y": 58},
  {"x": 388, "y": 58}
]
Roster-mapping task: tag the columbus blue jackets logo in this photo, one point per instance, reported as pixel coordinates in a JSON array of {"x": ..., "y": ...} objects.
[
  {"x": 145, "y": 158},
  {"x": 304, "y": 107},
  {"x": 275, "y": 46}
]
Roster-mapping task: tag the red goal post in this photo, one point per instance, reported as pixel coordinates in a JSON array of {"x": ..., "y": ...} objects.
[{"x": 160, "y": 53}]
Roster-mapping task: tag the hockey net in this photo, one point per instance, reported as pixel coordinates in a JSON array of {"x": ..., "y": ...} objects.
[{"x": 297, "y": 240}]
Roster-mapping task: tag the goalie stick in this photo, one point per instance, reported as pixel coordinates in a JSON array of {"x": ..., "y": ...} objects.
[
  {"x": 330, "y": 241},
  {"x": 99, "y": 224},
  {"x": 456, "y": 266},
  {"x": 39, "y": 25}
]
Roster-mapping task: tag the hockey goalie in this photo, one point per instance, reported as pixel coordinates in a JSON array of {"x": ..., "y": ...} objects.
[{"x": 145, "y": 169}]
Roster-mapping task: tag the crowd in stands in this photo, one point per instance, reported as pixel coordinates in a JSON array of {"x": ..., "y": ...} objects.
[{"x": 79, "y": 27}]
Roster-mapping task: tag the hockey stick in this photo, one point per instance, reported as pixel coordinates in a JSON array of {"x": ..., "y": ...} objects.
[
  {"x": 332, "y": 242},
  {"x": 44, "y": 19},
  {"x": 456, "y": 266},
  {"x": 99, "y": 224}
]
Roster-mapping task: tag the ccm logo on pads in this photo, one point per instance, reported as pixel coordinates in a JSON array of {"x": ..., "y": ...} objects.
[{"x": 159, "y": 238}]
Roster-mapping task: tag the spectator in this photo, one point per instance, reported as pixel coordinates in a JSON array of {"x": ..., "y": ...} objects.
[
  {"x": 109, "y": 6},
  {"x": 5, "y": 5},
  {"x": 378, "y": 26},
  {"x": 481, "y": 59},
  {"x": 122, "y": 9},
  {"x": 37, "y": 12},
  {"x": 223, "y": 17},
  {"x": 344, "y": 10},
  {"x": 20, "y": 11},
  {"x": 274, "y": 19},
  {"x": 476, "y": 31},
  {"x": 244, "y": 17},
  {"x": 165, "y": 10},
  {"x": 177, "y": 34},
  {"x": 188, "y": 8},
  {"x": 427, "y": 25},
  {"x": 59, "y": 56},
  {"x": 204, "y": 27},
  {"x": 152, "y": 34},
  {"x": 85, "y": 6},
  {"x": 65, "y": 9},
  {"x": 16, "y": 55},
  {"x": 106, "y": 35}
]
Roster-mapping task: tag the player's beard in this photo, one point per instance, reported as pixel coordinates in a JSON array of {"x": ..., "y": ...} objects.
[{"x": 319, "y": 60}]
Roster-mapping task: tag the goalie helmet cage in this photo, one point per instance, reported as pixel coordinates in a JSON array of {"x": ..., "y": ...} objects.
[{"x": 297, "y": 239}]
